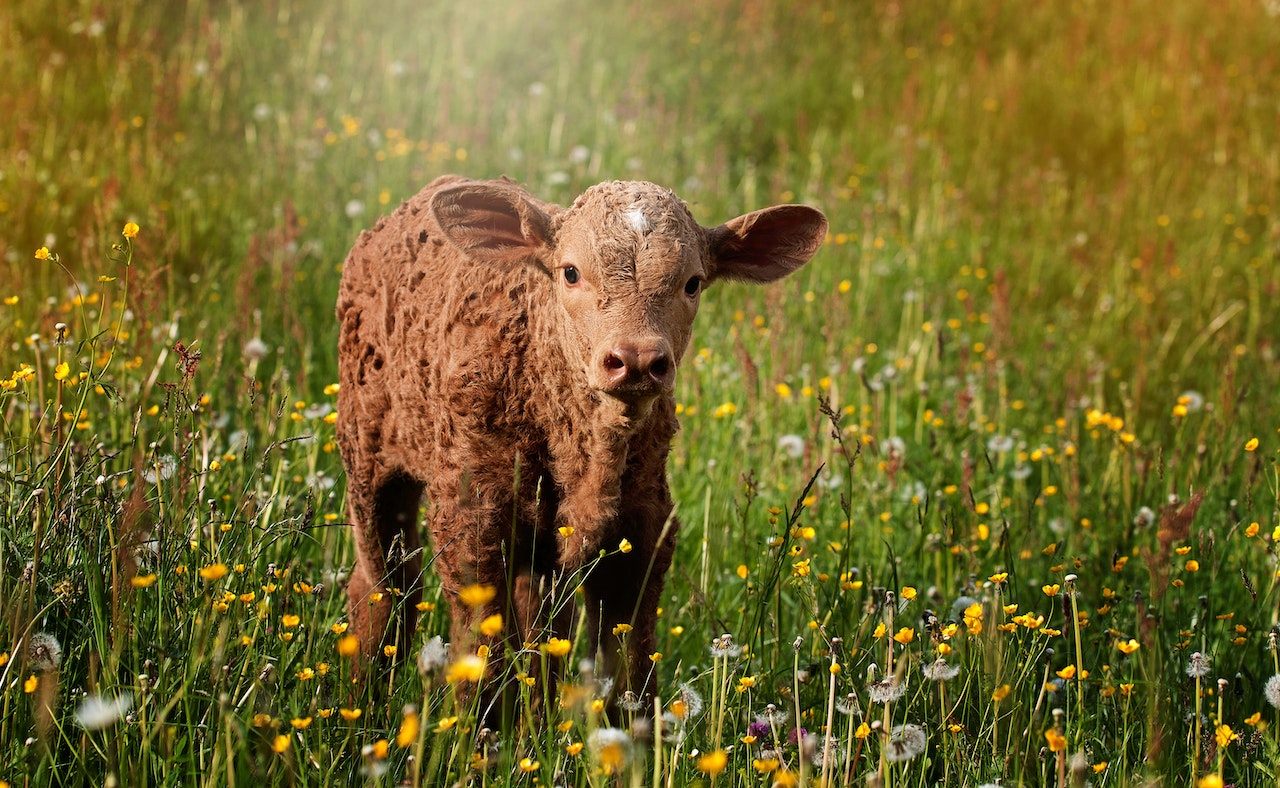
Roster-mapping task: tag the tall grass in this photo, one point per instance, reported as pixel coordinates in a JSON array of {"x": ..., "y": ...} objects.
[{"x": 1019, "y": 413}]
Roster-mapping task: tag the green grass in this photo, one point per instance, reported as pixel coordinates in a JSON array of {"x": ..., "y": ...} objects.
[{"x": 1044, "y": 323}]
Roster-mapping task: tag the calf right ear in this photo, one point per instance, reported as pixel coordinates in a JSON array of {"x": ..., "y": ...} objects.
[{"x": 492, "y": 222}]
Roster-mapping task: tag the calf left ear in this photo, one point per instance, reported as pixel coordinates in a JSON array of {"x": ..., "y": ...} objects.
[
  {"x": 492, "y": 221},
  {"x": 766, "y": 245}
]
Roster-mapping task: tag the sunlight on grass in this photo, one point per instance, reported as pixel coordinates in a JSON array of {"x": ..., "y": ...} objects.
[{"x": 986, "y": 492}]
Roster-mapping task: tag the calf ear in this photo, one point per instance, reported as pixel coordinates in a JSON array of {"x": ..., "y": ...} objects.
[
  {"x": 766, "y": 245},
  {"x": 492, "y": 222}
]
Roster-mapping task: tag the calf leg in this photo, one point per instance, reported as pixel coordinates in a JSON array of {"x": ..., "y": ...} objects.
[{"x": 388, "y": 561}]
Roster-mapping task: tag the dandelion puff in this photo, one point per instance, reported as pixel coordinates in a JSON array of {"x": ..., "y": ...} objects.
[
  {"x": 831, "y": 752},
  {"x": 1198, "y": 666},
  {"x": 1272, "y": 691},
  {"x": 255, "y": 349},
  {"x": 1144, "y": 517},
  {"x": 433, "y": 656},
  {"x": 692, "y": 701},
  {"x": 96, "y": 712},
  {"x": 939, "y": 670},
  {"x": 611, "y": 748},
  {"x": 44, "y": 652},
  {"x": 772, "y": 715},
  {"x": 630, "y": 702},
  {"x": 353, "y": 208},
  {"x": 886, "y": 690},
  {"x": 905, "y": 743},
  {"x": 1194, "y": 400},
  {"x": 849, "y": 705},
  {"x": 999, "y": 444},
  {"x": 791, "y": 445}
]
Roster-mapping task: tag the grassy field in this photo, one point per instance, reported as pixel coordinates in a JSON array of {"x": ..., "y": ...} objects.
[{"x": 1019, "y": 414}]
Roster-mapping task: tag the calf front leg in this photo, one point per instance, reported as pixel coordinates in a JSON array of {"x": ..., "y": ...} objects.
[{"x": 623, "y": 592}]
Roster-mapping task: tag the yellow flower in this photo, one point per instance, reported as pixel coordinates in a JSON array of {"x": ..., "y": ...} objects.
[
  {"x": 783, "y": 390},
  {"x": 1209, "y": 781},
  {"x": 1067, "y": 673},
  {"x": 300, "y": 723},
  {"x": 863, "y": 731},
  {"x": 492, "y": 625},
  {"x": 1051, "y": 590},
  {"x": 348, "y": 646},
  {"x": 476, "y": 595},
  {"x": 558, "y": 647},
  {"x": 61, "y": 371},
  {"x": 1001, "y": 692},
  {"x": 1251, "y": 444},
  {"x": 1225, "y": 735},
  {"x": 142, "y": 581},
  {"x": 339, "y": 627},
  {"x": 29, "y": 686},
  {"x": 879, "y": 631},
  {"x": 307, "y": 674},
  {"x": 280, "y": 743},
  {"x": 621, "y": 629},
  {"x": 379, "y": 749},
  {"x": 446, "y": 723},
  {"x": 214, "y": 572},
  {"x": 1128, "y": 646},
  {"x": 1193, "y": 565},
  {"x": 1057, "y": 742},
  {"x": 409, "y": 725},
  {"x": 713, "y": 762},
  {"x": 290, "y": 620},
  {"x": 768, "y": 765},
  {"x": 131, "y": 231},
  {"x": 624, "y": 546},
  {"x": 350, "y": 715},
  {"x": 467, "y": 668},
  {"x": 528, "y": 765},
  {"x": 42, "y": 253},
  {"x": 905, "y": 635},
  {"x": 909, "y": 593},
  {"x": 574, "y": 749}
]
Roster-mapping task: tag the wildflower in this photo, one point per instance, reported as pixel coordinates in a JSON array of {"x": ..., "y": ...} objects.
[
  {"x": 1129, "y": 646},
  {"x": 713, "y": 762},
  {"x": 558, "y": 647},
  {"x": 905, "y": 742},
  {"x": 42, "y": 253},
  {"x": 1001, "y": 692},
  {"x": 887, "y": 690},
  {"x": 1057, "y": 742},
  {"x": 528, "y": 765},
  {"x": 1210, "y": 781},
  {"x": 476, "y": 595},
  {"x": 300, "y": 723},
  {"x": 905, "y": 635},
  {"x": 348, "y": 646},
  {"x": 1251, "y": 444},
  {"x": 389, "y": 650},
  {"x": 290, "y": 620},
  {"x": 44, "y": 652},
  {"x": 1144, "y": 517},
  {"x": 1198, "y": 666},
  {"x": 1225, "y": 735},
  {"x": 409, "y": 725},
  {"x": 31, "y": 684},
  {"x": 350, "y": 715},
  {"x": 624, "y": 546},
  {"x": 611, "y": 748},
  {"x": 468, "y": 668},
  {"x": 939, "y": 670},
  {"x": 130, "y": 230},
  {"x": 96, "y": 712}
]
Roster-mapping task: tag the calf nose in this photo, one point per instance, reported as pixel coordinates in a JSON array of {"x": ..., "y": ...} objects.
[{"x": 627, "y": 366}]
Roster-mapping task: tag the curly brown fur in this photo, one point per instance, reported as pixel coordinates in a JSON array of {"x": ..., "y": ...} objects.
[{"x": 514, "y": 361}]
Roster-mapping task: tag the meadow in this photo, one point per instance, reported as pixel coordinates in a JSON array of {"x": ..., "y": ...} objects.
[{"x": 985, "y": 494}]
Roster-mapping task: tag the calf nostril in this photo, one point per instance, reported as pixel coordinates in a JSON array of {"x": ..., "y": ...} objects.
[
  {"x": 659, "y": 367},
  {"x": 613, "y": 362}
]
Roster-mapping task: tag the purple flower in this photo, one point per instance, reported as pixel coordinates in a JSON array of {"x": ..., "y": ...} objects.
[{"x": 796, "y": 735}]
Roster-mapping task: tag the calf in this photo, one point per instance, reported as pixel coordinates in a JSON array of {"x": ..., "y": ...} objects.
[{"x": 515, "y": 361}]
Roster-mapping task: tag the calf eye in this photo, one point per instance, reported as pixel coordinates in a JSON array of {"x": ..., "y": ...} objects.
[
  {"x": 570, "y": 275},
  {"x": 691, "y": 287}
]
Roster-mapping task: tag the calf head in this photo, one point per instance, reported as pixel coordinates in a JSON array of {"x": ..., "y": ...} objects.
[{"x": 628, "y": 264}]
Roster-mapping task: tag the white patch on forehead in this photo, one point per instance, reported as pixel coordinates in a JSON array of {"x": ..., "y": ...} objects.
[{"x": 637, "y": 220}]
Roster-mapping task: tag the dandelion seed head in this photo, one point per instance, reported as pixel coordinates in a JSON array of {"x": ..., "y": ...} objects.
[
  {"x": 887, "y": 690},
  {"x": 1144, "y": 517},
  {"x": 96, "y": 712},
  {"x": 905, "y": 742},
  {"x": 791, "y": 445},
  {"x": 44, "y": 652},
  {"x": 1198, "y": 665},
  {"x": 433, "y": 656},
  {"x": 692, "y": 701},
  {"x": 939, "y": 670},
  {"x": 1272, "y": 691}
]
